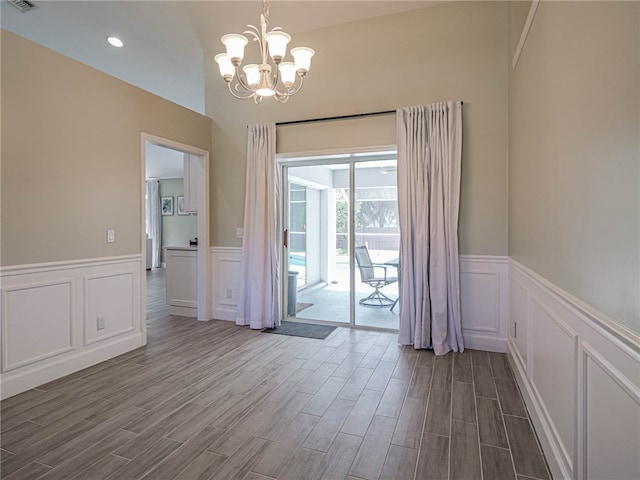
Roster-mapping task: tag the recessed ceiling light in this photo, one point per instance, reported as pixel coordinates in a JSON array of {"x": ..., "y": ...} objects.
[{"x": 115, "y": 41}]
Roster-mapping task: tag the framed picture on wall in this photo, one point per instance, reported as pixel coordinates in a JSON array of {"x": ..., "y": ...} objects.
[
  {"x": 181, "y": 206},
  {"x": 167, "y": 205}
]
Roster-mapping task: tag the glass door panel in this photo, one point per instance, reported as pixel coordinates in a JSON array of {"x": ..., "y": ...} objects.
[
  {"x": 318, "y": 255},
  {"x": 298, "y": 233},
  {"x": 377, "y": 242}
]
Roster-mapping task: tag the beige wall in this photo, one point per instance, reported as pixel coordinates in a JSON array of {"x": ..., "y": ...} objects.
[
  {"x": 454, "y": 51},
  {"x": 574, "y": 153},
  {"x": 71, "y": 155}
]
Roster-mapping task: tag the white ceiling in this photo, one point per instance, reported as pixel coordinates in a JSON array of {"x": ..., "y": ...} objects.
[
  {"x": 168, "y": 42},
  {"x": 163, "y": 162}
]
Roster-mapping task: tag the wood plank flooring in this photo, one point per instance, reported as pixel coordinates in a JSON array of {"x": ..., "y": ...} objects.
[
  {"x": 157, "y": 294},
  {"x": 210, "y": 400}
]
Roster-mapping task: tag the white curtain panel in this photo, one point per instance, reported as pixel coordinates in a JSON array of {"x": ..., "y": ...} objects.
[
  {"x": 154, "y": 220},
  {"x": 259, "y": 300},
  {"x": 429, "y": 162}
]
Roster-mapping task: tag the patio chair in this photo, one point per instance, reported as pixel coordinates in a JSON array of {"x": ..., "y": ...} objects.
[{"x": 376, "y": 276}]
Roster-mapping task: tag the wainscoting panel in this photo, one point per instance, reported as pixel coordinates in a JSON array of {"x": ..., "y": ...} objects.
[
  {"x": 46, "y": 308},
  {"x": 480, "y": 304},
  {"x": 109, "y": 298},
  {"x": 226, "y": 282},
  {"x": 612, "y": 437},
  {"x": 554, "y": 356},
  {"x": 49, "y": 317},
  {"x": 518, "y": 321},
  {"x": 484, "y": 302},
  {"x": 579, "y": 373}
]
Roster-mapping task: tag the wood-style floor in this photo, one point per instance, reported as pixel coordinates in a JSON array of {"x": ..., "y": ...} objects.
[
  {"x": 157, "y": 294},
  {"x": 212, "y": 400}
]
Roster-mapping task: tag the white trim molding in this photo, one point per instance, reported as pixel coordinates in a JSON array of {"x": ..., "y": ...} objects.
[
  {"x": 7, "y": 271},
  {"x": 49, "y": 317},
  {"x": 525, "y": 32},
  {"x": 203, "y": 204},
  {"x": 579, "y": 372}
]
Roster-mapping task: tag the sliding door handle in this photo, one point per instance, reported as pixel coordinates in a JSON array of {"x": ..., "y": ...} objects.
[{"x": 285, "y": 237}]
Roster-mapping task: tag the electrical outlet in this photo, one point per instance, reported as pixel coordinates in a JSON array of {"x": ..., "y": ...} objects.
[
  {"x": 229, "y": 293},
  {"x": 239, "y": 232},
  {"x": 100, "y": 323},
  {"x": 111, "y": 235}
]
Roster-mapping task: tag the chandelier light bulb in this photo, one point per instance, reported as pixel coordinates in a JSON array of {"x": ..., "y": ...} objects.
[
  {"x": 302, "y": 58},
  {"x": 252, "y": 73},
  {"x": 227, "y": 69},
  {"x": 277, "y": 42},
  {"x": 235, "y": 44},
  {"x": 287, "y": 73},
  {"x": 264, "y": 88}
]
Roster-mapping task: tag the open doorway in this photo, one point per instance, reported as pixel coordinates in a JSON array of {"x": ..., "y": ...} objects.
[
  {"x": 175, "y": 237},
  {"x": 167, "y": 224},
  {"x": 334, "y": 206}
]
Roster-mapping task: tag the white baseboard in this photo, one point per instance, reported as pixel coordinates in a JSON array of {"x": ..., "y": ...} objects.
[
  {"x": 21, "y": 380},
  {"x": 579, "y": 373},
  {"x": 50, "y": 314},
  {"x": 183, "y": 311},
  {"x": 482, "y": 342},
  {"x": 229, "y": 314}
]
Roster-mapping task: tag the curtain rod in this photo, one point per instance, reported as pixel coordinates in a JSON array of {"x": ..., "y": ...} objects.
[{"x": 341, "y": 117}]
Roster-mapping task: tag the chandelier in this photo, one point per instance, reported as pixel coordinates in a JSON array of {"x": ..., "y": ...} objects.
[{"x": 281, "y": 80}]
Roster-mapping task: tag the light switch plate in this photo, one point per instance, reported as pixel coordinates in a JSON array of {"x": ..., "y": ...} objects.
[{"x": 111, "y": 235}]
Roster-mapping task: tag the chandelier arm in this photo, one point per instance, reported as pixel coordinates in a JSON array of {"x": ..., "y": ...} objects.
[
  {"x": 255, "y": 35},
  {"x": 295, "y": 89},
  {"x": 236, "y": 95},
  {"x": 241, "y": 81}
]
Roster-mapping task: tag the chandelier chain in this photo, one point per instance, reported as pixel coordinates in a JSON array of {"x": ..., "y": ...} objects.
[{"x": 265, "y": 10}]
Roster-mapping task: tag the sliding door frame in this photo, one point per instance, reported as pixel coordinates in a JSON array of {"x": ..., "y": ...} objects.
[{"x": 350, "y": 157}]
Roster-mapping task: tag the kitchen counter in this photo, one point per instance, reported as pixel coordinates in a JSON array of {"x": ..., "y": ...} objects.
[
  {"x": 182, "y": 280},
  {"x": 182, "y": 248}
]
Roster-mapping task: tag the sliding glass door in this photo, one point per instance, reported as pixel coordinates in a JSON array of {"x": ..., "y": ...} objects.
[
  {"x": 376, "y": 244},
  {"x": 318, "y": 267},
  {"x": 335, "y": 210}
]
